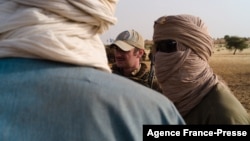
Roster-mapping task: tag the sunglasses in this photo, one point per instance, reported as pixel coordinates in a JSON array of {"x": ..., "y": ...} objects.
[{"x": 166, "y": 46}]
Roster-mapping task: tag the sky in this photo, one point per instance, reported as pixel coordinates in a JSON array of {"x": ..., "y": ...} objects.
[{"x": 222, "y": 17}]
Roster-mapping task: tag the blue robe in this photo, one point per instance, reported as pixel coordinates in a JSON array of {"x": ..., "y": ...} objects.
[{"x": 50, "y": 101}]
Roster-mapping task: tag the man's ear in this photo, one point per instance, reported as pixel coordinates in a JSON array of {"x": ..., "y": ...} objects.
[{"x": 140, "y": 53}]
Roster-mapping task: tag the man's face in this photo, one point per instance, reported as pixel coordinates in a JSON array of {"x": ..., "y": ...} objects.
[{"x": 125, "y": 59}]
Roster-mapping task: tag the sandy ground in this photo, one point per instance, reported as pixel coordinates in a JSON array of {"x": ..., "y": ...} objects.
[{"x": 235, "y": 70}]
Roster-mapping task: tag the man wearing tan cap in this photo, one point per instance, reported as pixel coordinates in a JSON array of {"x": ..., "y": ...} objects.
[{"x": 128, "y": 50}]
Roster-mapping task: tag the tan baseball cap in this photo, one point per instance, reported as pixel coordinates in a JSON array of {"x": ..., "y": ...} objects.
[{"x": 128, "y": 40}]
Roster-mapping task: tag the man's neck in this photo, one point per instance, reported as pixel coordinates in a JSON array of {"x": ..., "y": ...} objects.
[{"x": 131, "y": 71}]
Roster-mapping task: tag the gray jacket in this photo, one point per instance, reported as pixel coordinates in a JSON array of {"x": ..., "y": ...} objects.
[{"x": 219, "y": 106}]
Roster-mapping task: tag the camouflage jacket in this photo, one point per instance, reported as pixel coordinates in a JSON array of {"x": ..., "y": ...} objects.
[{"x": 142, "y": 76}]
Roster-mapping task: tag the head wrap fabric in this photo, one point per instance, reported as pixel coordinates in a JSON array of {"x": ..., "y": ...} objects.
[
  {"x": 185, "y": 75},
  {"x": 187, "y": 29},
  {"x": 59, "y": 30}
]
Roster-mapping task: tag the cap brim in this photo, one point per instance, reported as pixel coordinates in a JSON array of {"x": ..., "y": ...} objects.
[{"x": 123, "y": 45}]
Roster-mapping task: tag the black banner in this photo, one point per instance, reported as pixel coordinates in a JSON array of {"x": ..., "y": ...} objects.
[{"x": 162, "y": 132}]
